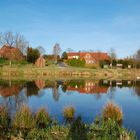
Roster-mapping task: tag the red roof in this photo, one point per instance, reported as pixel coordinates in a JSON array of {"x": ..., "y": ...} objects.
[
  {"x": 73, "y": 54},
  {"x": 93, "y": 90},
  {"x": 94, "y": 55}
]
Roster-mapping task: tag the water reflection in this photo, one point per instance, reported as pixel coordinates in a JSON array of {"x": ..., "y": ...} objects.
[
  {"x": 34, "y": 88},
  {"x": 16, "y": 93}
]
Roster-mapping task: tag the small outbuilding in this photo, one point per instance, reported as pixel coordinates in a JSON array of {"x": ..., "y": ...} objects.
[{"x": 40, "y": 62}]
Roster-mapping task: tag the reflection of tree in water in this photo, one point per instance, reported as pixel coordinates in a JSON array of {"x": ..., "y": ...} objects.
[
  {"x": 136, "y": 88},
  {"x": 78, "y": 83},
  {"x": 55, "y": 91},
  {"x": 137, "y": 91},
  {"x": 98, "y": 96},
  {"x": 64, "y": 87},
  {"x": 32, "y": 89},
  {"x": 111, "y": 92},
  {"x": 13, "y": 94},
  {"x": 13, "y": 103}
]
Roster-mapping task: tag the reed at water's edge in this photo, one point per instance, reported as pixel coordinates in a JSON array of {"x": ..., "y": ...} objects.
[{"x": 40, "y": 125}]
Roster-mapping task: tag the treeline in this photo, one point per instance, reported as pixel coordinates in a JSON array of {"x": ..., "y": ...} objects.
[{"x": 30, "y": 54}]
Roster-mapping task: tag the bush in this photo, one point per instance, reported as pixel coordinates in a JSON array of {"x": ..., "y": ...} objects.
[
  {"x": 4, "y": 61},
  {"x": 78, "y": 130},
  {"x": 76, "y": 62},
  {"x": 23, "y": 119},
  {"x": 22, "y": 62},
  {"x": 42, "y": 118},
  {"x": 4, "y": 118},
  {"x": 113, "y": 112},
  {"x": 69, "y": 112},
  {"x": 107, "y": 130}
]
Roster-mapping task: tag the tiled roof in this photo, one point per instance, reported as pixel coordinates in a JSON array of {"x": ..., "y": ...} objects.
[
  {"x": 73, "y": 54},
  {"x": 94, "y": 55}
]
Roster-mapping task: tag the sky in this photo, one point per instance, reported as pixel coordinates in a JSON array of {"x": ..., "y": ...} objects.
[{"x": 96, "y": 25}]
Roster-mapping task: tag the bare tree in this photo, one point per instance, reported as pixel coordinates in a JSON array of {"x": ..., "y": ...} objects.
[
  {"x": 138, "y": 54},
  {"x": 7, "y": 38},
  {"x": 14, "y": 40},
  {"x": 112, "y": 54},
  {"x": 69, "y": 50},
  {"x": 41, "y": 50},
  {"x": 136, "y": 60},
  {"x": 56, "y": 51},
  {"x": 21, "y": 43}
]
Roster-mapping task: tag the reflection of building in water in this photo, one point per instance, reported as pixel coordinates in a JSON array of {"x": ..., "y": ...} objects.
[
  {"x": 119, "y": 83},
  {"x": 89, "y": 87},
  {"x": 40, "y": 84},
  {"x": 13, "y": 96},
  {"x": 12, "y": 90},
  {"x": 32, "y": 89}
]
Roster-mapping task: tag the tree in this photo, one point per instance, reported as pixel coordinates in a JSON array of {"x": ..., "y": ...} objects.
[
  {"x": 137, "y": 59},
  {"x": 69, "y": 50},
  {"x": 112, "y": 54},
  {"x": 32, "y": 55},
  {"x": 14, "y": 40},
  {"x": 56, "y": 51},
  {"x": 64, "y": 55},
  {"x": 138, "y": 55},
  {"x": 41, "y": 50},
  {"x": 7, "y": 38},
  {"x": 21, "y": 43}
]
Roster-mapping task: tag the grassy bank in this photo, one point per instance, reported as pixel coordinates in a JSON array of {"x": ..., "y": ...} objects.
[
  {"x": 30, "y": 71},
  {"x": 28, "y": 125}
]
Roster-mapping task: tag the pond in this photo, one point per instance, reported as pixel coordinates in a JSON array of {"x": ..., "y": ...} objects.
[{"x": 87, "y": 96}]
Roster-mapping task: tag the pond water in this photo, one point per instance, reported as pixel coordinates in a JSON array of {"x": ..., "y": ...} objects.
[{"x": 87, "y": 96}]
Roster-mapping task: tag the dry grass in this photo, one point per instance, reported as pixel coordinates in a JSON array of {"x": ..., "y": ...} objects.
[
  {"x": 23, "y": 118},
  {"x": 112, "y": 111},
  {"x": 69, "y": 112}
]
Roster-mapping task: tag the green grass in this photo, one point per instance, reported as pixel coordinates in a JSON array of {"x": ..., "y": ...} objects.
[{"x": 29, "y": 70}]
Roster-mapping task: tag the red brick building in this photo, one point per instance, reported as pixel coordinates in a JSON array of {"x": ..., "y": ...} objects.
[
  {"x": 89, "y": 57},
  {"x": 40, "y": 62},
  {"x": 11, "y": 53}
]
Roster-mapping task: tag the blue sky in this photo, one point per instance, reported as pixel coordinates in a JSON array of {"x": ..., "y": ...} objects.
[{"x": 77, "y": 24}]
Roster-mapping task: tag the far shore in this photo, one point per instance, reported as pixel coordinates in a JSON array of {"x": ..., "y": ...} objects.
[{"x": 54, "y": 72}]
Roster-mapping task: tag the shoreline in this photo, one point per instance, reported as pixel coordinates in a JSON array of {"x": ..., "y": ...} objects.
[{"x": 31, "y": 72}]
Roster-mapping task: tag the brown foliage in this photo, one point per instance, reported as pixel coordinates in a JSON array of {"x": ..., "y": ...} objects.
[{"x": 112, "y": 111}]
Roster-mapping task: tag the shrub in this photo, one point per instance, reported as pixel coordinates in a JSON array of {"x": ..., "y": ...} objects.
[
  {"x": 69, "y": 112},
  {"x": 4, "y": 118},
  {"x": 78, "y": 130},
  {"x": 113, "y": 112},
  {"x": 107, "y": 130},
  {"x": 76, "y": 62},
  {"x": 42, "y": 118},
  {"x": 23, "y": 119}
]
